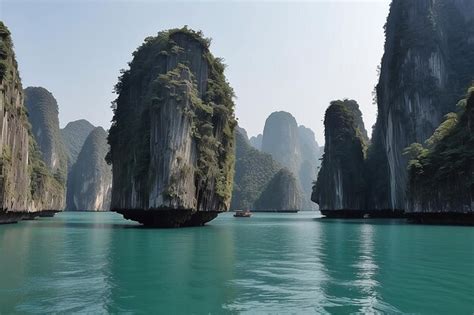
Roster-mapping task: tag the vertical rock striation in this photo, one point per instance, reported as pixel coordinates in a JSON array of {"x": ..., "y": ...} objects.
[
  {"x": 172, "y": 141},
  {"x": 90, "y": 179},
  {"x": 441, "y": 173},
  {"x": 341, "y": 180},
  {"x": 26, "y": 184},
  {"x": 14, "y": 144},
  {"x": 427, "y": 64}
]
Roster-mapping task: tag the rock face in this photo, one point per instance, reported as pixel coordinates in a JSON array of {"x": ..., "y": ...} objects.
[
  {"x": 26, "y": 184},
  {"x": 74, "y": 135},
  {"x": 256, "y": 141},
  {"x": 253, "y": 171},
  {"x": 310, "y": 162},
  {"x": 341, "y": 180},
  {"x": 281, "y": 193},
  {"x": 294, "y": 148},
  {"x": 90, "y": 179},
  {"x": 427, "y": 64},
  {"x": 43, "y": 117},
  {"x": 172, "y": 137},
  {"x": 441, "y": 174}
]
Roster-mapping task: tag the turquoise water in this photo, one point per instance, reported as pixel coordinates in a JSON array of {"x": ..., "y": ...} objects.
[{"x": 270, "y": 263}]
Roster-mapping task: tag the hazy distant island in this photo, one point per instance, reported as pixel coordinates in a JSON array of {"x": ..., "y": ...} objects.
[{"x": 257, "y": 174}]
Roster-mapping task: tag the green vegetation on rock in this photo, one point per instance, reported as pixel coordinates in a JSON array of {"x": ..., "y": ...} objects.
[
  {"x": 171, "y": 140},
  {"x": 43, "y": 117},
  {"x": 341, "y": 181},
  {"x": 427, "y": 64},
  {"x": 441, "y": 172},
  {"x": 27, "y": 183}
]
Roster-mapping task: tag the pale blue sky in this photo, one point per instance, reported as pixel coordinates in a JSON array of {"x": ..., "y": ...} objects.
[{"x": 293, "y": 56}]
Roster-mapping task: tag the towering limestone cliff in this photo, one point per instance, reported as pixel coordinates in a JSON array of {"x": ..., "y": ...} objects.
[
  {"x": 90, "y": 179},
  {"x": 26, "y": 184},
  {"x": 253, "y": 171},
  {"x": 43, "y": 117},
  {"x": 281, "y": 193},
  {"x": 441, "y": 173},
  {"x": 427, "y": 64},
  {"x": 341, "y": 180},
  {"x": 294, "y": 148},
  {"x": 172, "y": 136},
  {"x": 74, "y": 135}
]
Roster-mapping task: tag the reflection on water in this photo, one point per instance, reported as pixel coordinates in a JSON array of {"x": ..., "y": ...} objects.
[
  {"x": 174, "y": 271},
  {"x": 271, "y": 263},
  {"x": 277, "y": 262}
]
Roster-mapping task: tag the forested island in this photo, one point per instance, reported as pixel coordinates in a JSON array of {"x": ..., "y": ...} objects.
[{"x": 172, "y": 146}]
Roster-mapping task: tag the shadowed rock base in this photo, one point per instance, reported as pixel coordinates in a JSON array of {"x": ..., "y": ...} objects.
[
  {"x": 277, "y": 211},
  {"x": 361, "y": 214},
  {"x": 48, "y": 213},
  {"x": 15, "y": 216},
  {"x": 169, "y": 218},
  {"x": 442, "y": 218},
  {"x": 10, "y": 217}
]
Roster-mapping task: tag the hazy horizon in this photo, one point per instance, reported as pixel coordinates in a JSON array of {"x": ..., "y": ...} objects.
[{"x": 295, "y": 57}]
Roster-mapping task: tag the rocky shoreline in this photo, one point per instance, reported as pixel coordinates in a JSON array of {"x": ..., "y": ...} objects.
[
  {"x": 428, "y": 218},
  {"x": 8, "y": 217},
  {"x": 363, "y": 214}
]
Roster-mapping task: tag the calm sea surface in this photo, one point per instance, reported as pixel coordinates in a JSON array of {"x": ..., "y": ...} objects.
[{"x": 270, "y": 263}]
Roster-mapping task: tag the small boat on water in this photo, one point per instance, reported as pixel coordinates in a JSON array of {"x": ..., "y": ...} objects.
[{"x": 242, "y": 214}]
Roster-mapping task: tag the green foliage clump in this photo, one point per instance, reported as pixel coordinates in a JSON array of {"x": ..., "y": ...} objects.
[
  {"x": 441, "y": 172},
  {"x": 5, "y": 50},
  {"x": 42, "y": 181},
  {"x": 163, "y": 71}
]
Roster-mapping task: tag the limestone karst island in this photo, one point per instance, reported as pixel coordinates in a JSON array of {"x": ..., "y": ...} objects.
[{"x": 162, "y": 157}]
